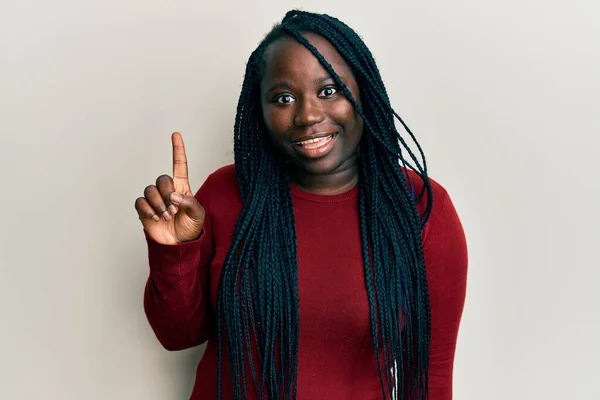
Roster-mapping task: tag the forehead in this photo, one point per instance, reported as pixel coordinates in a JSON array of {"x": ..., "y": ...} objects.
[{"x": 287, "y": 58}]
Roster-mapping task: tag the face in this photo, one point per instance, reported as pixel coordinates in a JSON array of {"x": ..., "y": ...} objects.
[{"x": 309, "y": 120}]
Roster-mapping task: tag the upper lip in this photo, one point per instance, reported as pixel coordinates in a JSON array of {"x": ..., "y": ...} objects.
[{"x": 314, "y": 135}]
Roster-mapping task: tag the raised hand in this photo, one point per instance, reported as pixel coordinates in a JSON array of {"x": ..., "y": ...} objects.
[{"x": 168, "y": 210}]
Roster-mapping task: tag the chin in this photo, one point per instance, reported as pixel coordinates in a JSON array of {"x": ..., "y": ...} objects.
[{"x": 325, "y": 166}]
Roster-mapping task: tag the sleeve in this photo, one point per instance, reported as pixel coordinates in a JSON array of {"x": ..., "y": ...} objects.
[
  {"x": 177, "y": 293},
  {"x": 446, "y": 260}
]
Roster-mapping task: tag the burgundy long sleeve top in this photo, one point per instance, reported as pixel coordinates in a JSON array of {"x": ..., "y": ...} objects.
[{"x": 336, "y": 359}]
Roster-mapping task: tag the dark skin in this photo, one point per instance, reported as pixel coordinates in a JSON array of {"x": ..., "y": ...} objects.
[{"x": 300, "y": 102}]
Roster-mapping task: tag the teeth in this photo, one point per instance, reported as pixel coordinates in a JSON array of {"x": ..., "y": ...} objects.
[
  {"x": 313, "y": 140},
  {"x": 304, "y": 143}
]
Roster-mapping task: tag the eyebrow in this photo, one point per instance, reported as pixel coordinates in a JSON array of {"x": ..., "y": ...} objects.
[{"x": 287, "y": 84}]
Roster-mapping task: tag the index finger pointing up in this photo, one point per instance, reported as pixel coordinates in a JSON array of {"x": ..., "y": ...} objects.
[{"x": 180, "y": 169}]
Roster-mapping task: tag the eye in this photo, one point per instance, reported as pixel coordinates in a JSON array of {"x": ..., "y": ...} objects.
[
  {"x": 284, "y": 99},
  {"x": 328, "y": 91}
]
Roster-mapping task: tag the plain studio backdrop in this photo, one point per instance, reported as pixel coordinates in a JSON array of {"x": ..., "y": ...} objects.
[{"x": 503, "y": 96}]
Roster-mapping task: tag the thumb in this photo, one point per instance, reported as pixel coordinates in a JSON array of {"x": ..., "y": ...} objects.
[{"x": 189, "y": 205}]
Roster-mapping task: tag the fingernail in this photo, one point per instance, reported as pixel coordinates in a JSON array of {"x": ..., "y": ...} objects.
[
  {"x": 167, "y": 216},
  {"x": 176, "y": 197},
  {"x": 173, "y": 209},
  {"x": 156, "y": 217}
]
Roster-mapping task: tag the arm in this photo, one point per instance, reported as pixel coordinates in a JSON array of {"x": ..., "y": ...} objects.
[
  {"x": 176, "y": 297},
  {"x": 445, "y": 251}
]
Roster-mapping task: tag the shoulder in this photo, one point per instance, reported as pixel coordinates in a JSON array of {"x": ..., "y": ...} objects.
[
  {"x": 439, "y": 195},
  {"x": 220, "y": 189},
  {"x": 443, "y": 221},
  {"x": 223, "y": 178}
]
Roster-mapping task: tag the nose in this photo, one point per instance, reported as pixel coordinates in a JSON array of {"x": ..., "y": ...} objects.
[{"x": 308, "y": 113}]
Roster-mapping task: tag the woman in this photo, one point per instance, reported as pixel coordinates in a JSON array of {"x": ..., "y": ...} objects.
[{"x": 324, "y": 264}]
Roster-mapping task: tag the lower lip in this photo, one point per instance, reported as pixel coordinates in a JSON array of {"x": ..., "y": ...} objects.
[{"x": 321, "y": 150}]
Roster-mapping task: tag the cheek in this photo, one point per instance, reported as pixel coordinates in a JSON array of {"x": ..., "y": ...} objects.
[
  {"x": 277, "y": 120},
  {"x": 345, "y": 114}
]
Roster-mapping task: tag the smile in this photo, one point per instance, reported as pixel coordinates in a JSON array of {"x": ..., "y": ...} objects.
[
  {"x": 315, "y": 143},
  {"x": 315, "y": 147}
]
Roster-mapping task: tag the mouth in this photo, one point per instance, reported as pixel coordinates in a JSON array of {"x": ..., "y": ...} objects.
[
  {"x": 315, "y": 142},
  {"x": 316, "y": 146}
]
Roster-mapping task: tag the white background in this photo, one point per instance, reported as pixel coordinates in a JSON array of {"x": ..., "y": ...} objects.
[{"x": 503, "y": 95}]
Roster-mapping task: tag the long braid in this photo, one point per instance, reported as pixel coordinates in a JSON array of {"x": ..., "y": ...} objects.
[
  {"x": 384, "y": 316},
  {"x": 342, "y": 36},
  {"x": 258, "y": 302}
]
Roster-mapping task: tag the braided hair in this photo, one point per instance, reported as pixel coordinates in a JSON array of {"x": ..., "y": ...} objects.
[{"x": 257, "y": 302}]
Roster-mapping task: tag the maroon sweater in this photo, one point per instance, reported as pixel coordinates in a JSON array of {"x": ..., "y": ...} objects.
[{"x": 336, "y": 359}]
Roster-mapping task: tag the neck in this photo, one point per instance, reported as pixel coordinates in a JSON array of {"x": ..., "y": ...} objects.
[{"x": 341, "y": 180}]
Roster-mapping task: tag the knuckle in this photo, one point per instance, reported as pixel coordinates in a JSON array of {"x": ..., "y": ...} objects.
[{"x": 179, "y": 149}]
